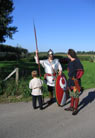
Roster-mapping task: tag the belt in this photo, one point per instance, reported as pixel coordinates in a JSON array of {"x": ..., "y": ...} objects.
[
  {"x": 37, "y": 88},
  {"x": 47, "y": 74}
]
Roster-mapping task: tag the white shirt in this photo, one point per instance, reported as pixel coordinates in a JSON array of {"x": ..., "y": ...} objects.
[
  {"x": 50, "y": 67},
  {"x": 35, "y": 84}
]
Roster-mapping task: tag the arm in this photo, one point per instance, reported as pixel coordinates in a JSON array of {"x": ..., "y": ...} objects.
[
  {"x": 41, "y": 83},
  {"x": 40, "y": 61},
  {"x": 64, "y": 60},
  {"x": 60, "y": 68},
  {"x": 30, "y": 85}
]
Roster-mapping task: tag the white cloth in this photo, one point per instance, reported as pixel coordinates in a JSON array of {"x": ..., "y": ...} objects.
[
  {"x": 35, "y": 84},
  {"x": 50, "y": 68}
]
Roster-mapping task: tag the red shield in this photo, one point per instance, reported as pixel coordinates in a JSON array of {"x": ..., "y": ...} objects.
[{"x": 61, "y": 88}]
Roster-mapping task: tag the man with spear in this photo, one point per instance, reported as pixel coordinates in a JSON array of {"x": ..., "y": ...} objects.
[{"x": 51, "y": 67}]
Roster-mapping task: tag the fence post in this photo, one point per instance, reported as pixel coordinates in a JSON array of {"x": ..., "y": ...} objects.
[{"x": 17, "y": 75}]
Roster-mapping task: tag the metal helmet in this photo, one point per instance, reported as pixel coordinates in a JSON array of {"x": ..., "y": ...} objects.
[{"x": 50, "y": 52}]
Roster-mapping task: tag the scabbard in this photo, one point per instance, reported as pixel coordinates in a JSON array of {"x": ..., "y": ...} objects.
[{"x": 77, "y": 84}]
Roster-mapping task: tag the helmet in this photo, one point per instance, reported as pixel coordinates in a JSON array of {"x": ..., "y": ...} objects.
[{"x": 50, "y": 52}]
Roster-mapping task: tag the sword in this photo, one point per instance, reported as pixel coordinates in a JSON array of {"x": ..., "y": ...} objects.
[{"x": 76, "y": 84}]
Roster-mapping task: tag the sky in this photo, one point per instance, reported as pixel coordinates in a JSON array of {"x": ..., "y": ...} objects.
[{"x": 60, "y": 25}]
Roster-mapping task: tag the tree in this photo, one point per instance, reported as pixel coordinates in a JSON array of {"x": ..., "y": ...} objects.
[{"x": 6, "y": 8}]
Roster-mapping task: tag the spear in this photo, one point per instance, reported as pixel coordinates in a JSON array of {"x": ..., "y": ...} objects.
[{"x": 37, "y": 50}]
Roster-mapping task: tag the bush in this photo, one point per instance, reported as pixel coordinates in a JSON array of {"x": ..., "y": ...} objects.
[
  {"x": 11, "y": 89},
  {"x": 92, "y": 59},
  {"x": 23, "y": 88},
  {"x": 84, "y": 58},
  {"x": 1, "y": 92}
]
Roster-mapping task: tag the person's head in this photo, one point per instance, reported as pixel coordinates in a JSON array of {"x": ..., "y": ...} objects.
[
  {"x": 50, "y": 54},
  {"x": 71, "y": 54},
  {"x": 34, "y": 73}
]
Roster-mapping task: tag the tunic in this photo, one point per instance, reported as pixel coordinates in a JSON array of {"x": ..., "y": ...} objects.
[
  {"x": 35, "y": 84},
  {"x": 73, "y": 67},
  {"x": 50, "y": 68}
]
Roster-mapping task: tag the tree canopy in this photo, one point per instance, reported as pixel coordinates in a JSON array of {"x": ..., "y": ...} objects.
[{"x": 6, "y": 19}]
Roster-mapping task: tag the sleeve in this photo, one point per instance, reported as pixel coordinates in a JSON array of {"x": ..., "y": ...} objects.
[
  {"x": 30, "y": 85},
  {"x": 36, "y": 60},
  {"x": 41, "y": 61},
  {"x": 59, "y": 66},
  {"x": 80, "y": 70},
  {"x": 41, "y": 82},
  {"x": 80, "y": 66},
  {"x": 64, "y": 60}
]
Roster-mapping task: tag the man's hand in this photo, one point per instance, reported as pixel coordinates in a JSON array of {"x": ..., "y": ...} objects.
[
  {"x": 60, "y": 73},
  {"x": 36, "y": 52}
]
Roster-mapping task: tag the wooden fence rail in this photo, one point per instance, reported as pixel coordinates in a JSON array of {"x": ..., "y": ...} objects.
[{"x": 15, "y": 71}]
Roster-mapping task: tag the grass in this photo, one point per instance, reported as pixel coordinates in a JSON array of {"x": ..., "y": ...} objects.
[
  {"x": 88, "y": 80},
  {"x": 10, "y": 99},
  {"x": 11, "y": 93}
]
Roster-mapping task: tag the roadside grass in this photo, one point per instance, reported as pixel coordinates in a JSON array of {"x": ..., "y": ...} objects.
[
  {"x": 20, "y": 93},
  {"x": 88, "y": 79}
]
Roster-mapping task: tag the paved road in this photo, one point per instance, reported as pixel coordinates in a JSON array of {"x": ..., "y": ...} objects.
[{"x": 19, "y": 120}]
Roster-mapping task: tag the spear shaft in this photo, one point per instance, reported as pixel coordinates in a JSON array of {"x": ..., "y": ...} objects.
[{"x": 37, "y": 51}]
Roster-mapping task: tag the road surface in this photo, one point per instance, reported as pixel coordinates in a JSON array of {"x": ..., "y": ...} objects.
[{"x": 19, "y": 120}]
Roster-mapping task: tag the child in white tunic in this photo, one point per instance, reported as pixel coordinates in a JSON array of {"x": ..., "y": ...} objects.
[{"x": 35, "y": 84}]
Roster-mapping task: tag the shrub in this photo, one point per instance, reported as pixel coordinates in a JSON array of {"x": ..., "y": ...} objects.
[
  {"x": 23, "y": 88},
  {"x": 11, "y": 89}
]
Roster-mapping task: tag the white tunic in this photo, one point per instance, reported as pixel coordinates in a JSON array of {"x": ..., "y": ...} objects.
[
  {"x": 50, "y": 68},
  {"x": 35, "y": 84}
]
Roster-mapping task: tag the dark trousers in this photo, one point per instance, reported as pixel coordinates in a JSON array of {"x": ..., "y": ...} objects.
[
  {"x": 50, "y": 90},
  {"x": 34, "y": 100}
]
